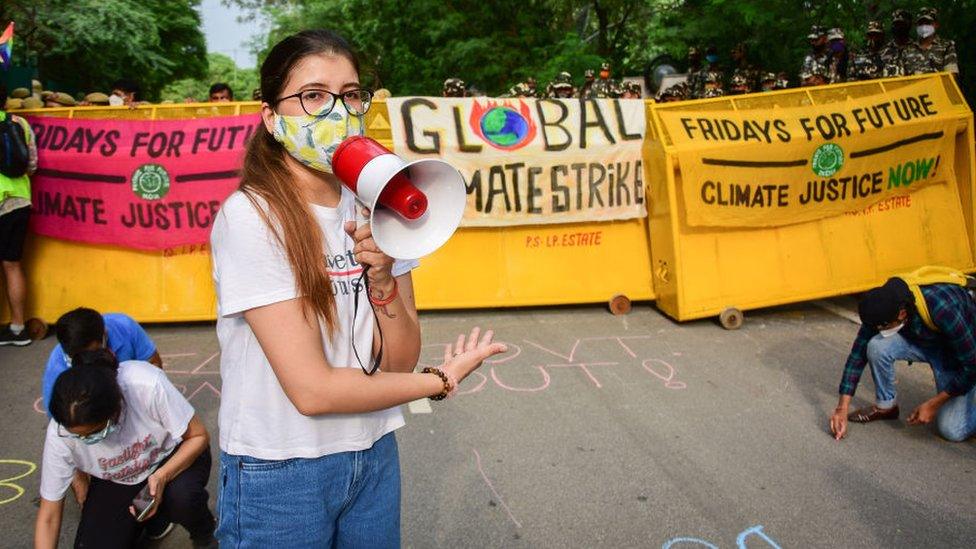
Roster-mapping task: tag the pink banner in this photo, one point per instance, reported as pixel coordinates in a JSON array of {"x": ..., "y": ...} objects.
[{"x": 146, "y": 184}]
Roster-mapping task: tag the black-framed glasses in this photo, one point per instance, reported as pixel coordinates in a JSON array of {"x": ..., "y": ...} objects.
[{"x": 321, "y": 102}]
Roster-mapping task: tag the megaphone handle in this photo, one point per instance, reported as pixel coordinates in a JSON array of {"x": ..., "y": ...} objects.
[{"x": 361, "y": 218}]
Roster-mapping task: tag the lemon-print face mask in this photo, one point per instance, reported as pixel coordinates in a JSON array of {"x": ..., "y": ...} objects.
[{"x": 313, "y": 139}]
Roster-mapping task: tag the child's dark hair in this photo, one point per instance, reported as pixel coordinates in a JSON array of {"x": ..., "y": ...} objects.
[
  {"x": 88, "y": 392},
  {"x": 78, "y": 329}
]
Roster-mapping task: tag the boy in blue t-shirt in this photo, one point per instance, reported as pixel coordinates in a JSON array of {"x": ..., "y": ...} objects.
[{"x": 85, "y": 329}]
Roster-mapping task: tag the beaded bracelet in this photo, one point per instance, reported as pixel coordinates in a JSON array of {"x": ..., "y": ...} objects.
[
  {"x": 389, "y": 299},
  {"x": 447, "y": 383}
]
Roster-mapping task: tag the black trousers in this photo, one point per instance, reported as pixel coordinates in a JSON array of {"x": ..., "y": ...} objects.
[{"x": 107, "y": 523}]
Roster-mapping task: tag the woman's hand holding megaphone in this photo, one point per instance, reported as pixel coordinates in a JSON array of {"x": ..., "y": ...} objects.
[
  {"x": 368, "y": 254},
  {"x": 467, "y": 354}
]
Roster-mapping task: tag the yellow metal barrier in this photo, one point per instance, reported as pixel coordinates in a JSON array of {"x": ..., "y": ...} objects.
[
  {"x": 705, "y": 271},
  {"x": 479, "y": 267}
]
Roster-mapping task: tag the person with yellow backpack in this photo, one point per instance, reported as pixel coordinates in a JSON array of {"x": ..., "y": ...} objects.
[
  {"x": 928, "y": 315},
  {"x": 18, "y": 160}
]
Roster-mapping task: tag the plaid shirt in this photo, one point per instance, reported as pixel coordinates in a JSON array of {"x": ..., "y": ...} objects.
[{"x": 953, "y": 311}]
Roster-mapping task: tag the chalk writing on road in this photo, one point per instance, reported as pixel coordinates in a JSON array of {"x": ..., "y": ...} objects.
[
  {"x": 587, "y": 357},
  {"x": 741, "y": 541},
  {"x": 7, "y": 484}
]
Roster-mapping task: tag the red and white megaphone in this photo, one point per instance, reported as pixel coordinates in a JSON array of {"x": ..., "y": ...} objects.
[{"x": 414, "y": 207}]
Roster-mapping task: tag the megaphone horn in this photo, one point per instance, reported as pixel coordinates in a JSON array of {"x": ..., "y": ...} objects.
[{"x": 415, "y": 207}]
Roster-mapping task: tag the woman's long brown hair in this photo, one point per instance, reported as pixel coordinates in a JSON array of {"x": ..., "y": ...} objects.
[{"x": 266, "y": 179}]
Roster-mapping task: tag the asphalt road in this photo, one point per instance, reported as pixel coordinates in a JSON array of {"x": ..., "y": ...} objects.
[{"x": 603, "y": 431}]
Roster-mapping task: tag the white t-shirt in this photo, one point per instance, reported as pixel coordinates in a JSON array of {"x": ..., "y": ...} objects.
[
  {"x": 251, "y": 269},
  {"x": 153, "y": 421}
]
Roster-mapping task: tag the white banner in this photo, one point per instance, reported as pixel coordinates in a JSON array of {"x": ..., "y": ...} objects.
[{"x": 529, "y": 161}]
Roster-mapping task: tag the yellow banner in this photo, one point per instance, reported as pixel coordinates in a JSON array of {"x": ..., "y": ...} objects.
[
  {"x": 528, "y": 161},
  {"x": 779, "y": 166}
]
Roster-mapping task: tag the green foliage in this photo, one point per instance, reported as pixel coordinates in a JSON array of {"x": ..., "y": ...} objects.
[
  {"x": 221, "y": 68},
  {"x": 412, "y": 46},
  {"x": 775, "y": 30},
  {"x": 84, "y": 45}
]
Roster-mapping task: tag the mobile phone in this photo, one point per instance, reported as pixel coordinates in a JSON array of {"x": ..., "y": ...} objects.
[{"x": 143, "y": 502}]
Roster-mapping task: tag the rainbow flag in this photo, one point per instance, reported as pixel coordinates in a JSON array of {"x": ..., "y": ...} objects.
[{"x": 7, "y": 46}]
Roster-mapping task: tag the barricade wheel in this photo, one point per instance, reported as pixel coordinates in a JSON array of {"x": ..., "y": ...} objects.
[
  {"x": 36, "y": 328},
  {"x": 731, "y": 318},
  {"x": 619, "y": 305}
]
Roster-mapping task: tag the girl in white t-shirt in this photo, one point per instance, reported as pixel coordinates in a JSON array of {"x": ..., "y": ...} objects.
[
  {"x": 128, "y": 427},
  {"x": 307, "y": 414}
]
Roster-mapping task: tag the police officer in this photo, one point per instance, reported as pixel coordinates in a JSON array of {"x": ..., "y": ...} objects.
[
  {"x": 768, "y": 82},
  {"x": 677, "y": 92},
  {"x": 606, "y": 87},
  {"x": 815, "y": 76},
  {"x": 524, "y": 89},
  {"x": 587, "y": 91},
  {"x": 901, "y": 56},
  {"x": 837, "y": 56},
  {"x": 696, "y": 82},
  {"x": 745, "y": 71},
  {"x": 782, "y": 81},
  {"x": 938, "y": 54},
  {"x": 817, "y": 61},
  {"x": 454, "y": 87},
  {"x": 632, "y": 90},
  {"x": 561, "y": 87},
  {"x": 738, "y": 85},
  {"x": 713, "y": 85},
  {"x": 866, "y": 63}
]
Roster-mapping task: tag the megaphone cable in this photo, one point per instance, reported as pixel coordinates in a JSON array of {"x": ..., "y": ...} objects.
[{"x": 364, "y": 283}]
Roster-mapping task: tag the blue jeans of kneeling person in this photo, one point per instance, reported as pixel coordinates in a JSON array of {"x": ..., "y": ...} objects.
[
  {"x": 957, "y": 417},
  {"x": 349, "y": 499}
]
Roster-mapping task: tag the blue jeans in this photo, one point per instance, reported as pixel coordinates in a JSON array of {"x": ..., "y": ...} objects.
[
  {"x": 957, "y": 417},
  {"x": 350, "y": 499}
]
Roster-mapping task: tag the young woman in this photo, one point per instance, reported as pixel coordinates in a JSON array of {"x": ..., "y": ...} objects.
[
  {"x": 128, "y": 427},
  {"x": 308, "y": 455}
]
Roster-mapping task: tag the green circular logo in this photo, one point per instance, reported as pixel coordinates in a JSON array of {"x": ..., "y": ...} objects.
[
  {"x": 827, "y": 159},
  {"x": 150, "y": 182}
]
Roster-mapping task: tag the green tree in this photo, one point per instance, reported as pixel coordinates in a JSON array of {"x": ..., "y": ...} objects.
[
  {"x": 221, "y": 68},
  {"x": 84, "y": 45},
  {"x": 412, "y": 46}
]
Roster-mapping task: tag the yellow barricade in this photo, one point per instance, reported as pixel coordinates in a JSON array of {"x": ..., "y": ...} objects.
[
  {"x": 795, "y": 195},
  {"x": 479, "y": 267}
]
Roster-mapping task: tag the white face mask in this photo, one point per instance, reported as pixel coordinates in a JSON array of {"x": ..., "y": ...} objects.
[
  {"x": 891, "y": 331},
  {"x": 924, "y": 31}
]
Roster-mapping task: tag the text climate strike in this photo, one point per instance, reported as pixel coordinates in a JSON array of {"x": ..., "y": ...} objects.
[{"x": 527, "y": 161}]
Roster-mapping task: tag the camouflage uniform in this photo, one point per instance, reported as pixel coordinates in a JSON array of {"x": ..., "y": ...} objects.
[
  {"x": 633, "y": 88},
  {"x": 713, "y": 85},
  {"x": 837, "y": 60},
  {"x": 561, "y": 86},
  {"x": 587, "y": 91},
  {"x": 677, "y": 92},
  {"x": 768, "y": 82},
  {"x": 940, "y": 56},
  {"x": 901, "y": 59},
  {"x": 606, "y": 87},
  {"x": 453, "y": 87},
  {"x": 816, "y": 62},
  {"x": 867, "y": 64},
  {"x": 522, "y": 89},
  {"x": 744, "y": 71},
  {"x": 695, "y": 75},
  {"x": 782, "y": 81}
]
